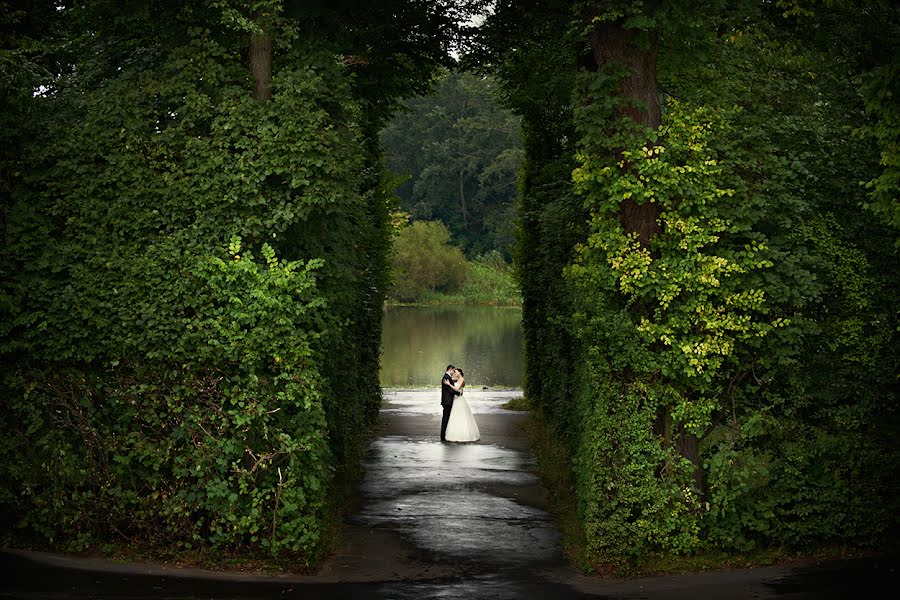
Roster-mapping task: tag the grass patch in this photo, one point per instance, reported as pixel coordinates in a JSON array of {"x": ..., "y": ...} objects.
[{"x": 520, "y": 403}]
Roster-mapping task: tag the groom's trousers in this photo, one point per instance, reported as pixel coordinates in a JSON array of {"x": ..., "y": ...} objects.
[{"x": 447, "y": 408}]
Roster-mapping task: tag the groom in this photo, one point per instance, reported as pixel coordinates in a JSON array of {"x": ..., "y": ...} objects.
[{"x": 447, "y": 395}]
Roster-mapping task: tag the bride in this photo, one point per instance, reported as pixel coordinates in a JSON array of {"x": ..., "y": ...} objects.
[{"x": 462, "y": 426}]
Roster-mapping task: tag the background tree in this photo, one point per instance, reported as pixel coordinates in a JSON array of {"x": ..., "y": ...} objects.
[{"x": 462, "y": 153}]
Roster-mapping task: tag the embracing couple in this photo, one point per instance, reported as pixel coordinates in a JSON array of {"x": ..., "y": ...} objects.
[{"x": 458, "y": 424}]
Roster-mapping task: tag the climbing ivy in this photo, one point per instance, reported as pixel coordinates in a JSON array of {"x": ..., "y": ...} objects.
[
  {"x": 706, "y": 317},
  {"x": 192, "y": 275}
]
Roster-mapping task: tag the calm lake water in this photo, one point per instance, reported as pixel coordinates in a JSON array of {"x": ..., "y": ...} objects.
[{"x": 419, "y": 341}]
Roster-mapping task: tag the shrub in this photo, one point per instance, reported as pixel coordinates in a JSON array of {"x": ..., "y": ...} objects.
[
  {"x": 490, "y": 280},
  {"x": 424, "y": 261},
  {"x": 216, "y": 439}
]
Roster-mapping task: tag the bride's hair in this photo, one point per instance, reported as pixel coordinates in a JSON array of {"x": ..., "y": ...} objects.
[{"x": 460, "y": 371}]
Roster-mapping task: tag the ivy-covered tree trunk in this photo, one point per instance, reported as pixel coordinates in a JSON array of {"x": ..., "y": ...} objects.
[
  {"x": 631, "y": 55},
  {"x": 261, "y": 66},
  {"x": 635, "y": 51},
  {"x": 728, "y": 263},
  {"x": 191, "y": 265}
]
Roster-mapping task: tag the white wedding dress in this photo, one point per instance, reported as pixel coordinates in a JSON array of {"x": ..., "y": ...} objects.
[{"x": 461, "y": 427}]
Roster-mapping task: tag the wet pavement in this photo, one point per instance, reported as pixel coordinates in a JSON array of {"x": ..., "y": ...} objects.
[
  {"x": 439, "y": 520},
  {"x": 475, "y": 506},
  {"x": 472, "y": 511}
]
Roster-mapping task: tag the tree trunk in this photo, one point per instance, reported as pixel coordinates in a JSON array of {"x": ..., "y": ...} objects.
[
  {"x": 688, "y": 446},
  {"x": 261, "y": 66},
  {"x": 464, "y": 209},
  {"x": 612, "y": 44}
]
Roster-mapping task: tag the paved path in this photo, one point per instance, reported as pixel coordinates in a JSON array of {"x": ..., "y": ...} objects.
[
  {"x": 436, "y": 509},
  {"x": 439, "y": 520}
]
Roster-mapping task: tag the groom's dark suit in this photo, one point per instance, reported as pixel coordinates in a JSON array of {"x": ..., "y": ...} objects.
[{"x": 447, "y": 396}]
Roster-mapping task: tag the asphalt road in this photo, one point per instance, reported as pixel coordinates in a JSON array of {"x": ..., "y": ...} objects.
[{"x": 440, "y": 520}]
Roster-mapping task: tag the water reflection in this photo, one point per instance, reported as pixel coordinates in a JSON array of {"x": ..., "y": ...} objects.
[{"x": 419, "y": 341}]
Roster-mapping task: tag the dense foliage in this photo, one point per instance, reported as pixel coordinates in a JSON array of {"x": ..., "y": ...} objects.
[
  {"x": 196, "y": 229},
  {"x": 462, "y": 154},
  {"x": 709, "y": 290},
  {"x": 490, "y": 280},
  {"x": 196, "y": 239}
]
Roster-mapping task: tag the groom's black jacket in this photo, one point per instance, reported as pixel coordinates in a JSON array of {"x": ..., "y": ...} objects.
[{"x": 447, "y": 391}]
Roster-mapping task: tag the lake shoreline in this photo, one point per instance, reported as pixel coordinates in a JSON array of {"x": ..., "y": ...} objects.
[{"x": 450, "y": 301}]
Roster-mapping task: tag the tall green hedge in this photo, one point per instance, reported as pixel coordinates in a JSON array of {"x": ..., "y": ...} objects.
[
  {"x": 729, "y": 385},
  {"x": 193, "y": 279}
]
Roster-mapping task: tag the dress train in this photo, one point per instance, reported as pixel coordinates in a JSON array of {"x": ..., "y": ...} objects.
[{"x": 462, "y": 426}]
